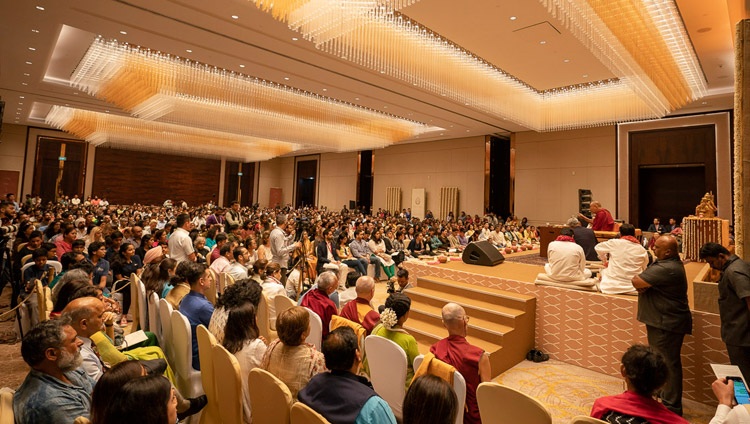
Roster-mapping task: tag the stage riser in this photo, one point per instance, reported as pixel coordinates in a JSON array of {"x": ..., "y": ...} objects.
[
  {"x": 501, "y": 323},
  {"x": 500, "y": 318}
]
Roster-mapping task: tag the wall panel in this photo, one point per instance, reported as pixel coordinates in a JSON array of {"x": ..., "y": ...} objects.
[{"x": 125, "y": 177}]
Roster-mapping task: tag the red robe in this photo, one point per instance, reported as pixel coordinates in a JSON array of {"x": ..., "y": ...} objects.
[
  {"x": 362, "y": 313},
  {"x": 603, "y": 221},
  {"x": 633, "y": 404},
  {"x": 318, "y": 301},
  {"x": 456, "y": 351}
]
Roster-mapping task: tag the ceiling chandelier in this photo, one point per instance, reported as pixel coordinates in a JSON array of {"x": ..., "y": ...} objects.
[
  {"x": 103, "y": 129},
  {"x": 153, "y": 86},
  {"x": 657, "y": 70}
]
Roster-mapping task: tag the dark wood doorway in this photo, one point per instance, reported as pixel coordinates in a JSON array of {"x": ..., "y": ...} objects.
[
  {"x": 670, "y": 170},
  {"x": 60, "y": 168},
  {"x": 307, "y": 183}
]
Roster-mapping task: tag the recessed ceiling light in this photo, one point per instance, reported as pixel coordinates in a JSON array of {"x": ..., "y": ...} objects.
[
  {"x": 542, "y": 42},
  {"x": 18, "y": 108},
  {"x": 36, "y": 31},
  {"x": 26, "y": 74},
  {"x": 382, "y": 72},
  {"x": 24, "y": 83},
  {"x": 39, "y": 8},
  {"x": 20, "y": 103},
  {"x": 75, "y": 94},
  {"x": 325, "y": 89},
  {"x": 67, "y": 104},
  {"x": 704, "y": 103},
  {"x": 106, "y": 111},
  {"x": 21, "y": 97},
  {"x": 124, "y": 32},
  {"x": 443, "y": 94},
  {"x": 32, "y": 49},
  {"x": 286, "y": 78},
  {"x": 585, "y": 75},
  {"x": 242, "y": 66},
  {"x": 385, "y": 107},
  {"x": 442, "y": 133},
  {"x": 468, "y": 130},
  {"x": 513, "y": 18},
  {"x": 295, "y": 38},
  {"x": 566, "y": 60},
  {"x": 466, "y": 104},
  {"x": 235, "y": 17},
  {"x": 29, "y": 63},
  {"x": 356, "y": 98},
  {"x": 189, "y": 51}
]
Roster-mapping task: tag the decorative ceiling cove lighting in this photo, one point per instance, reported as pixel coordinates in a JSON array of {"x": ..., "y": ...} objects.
[
  {"x": 101, "y": 129},
  {"x": 373, "y": 34},
  {"x": 156, "y": 86}
]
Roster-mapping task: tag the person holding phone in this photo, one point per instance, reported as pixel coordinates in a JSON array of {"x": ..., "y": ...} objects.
[{"x": 732, "y": 395}]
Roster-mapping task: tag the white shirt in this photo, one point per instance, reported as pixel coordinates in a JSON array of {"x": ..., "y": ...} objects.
[
  {"x": 347, "y": 296},
  {"x": 180, "y": 245},
  {"x": 280, "y": 247},
  {"x": 567, "y": 261},
  {"x": 91, "y": 363},
  {"x": 497, "y": 238},
  {"x": 271, "y": 289},
  {"x": 220, "y": 264},
  {"x": 236, "y": 270},
  {"x": 740, "y": 414},
  {"x": 626, "y": 260},
  {"x": 249, "y": 357}
]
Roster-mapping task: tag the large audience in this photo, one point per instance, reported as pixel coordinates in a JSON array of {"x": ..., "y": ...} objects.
[{"x": 327, "y": 261}]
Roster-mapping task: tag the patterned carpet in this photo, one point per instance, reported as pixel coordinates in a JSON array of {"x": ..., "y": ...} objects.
[{"x": 568, "y": 390}]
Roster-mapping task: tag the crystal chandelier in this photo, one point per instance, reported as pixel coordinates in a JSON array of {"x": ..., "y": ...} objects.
[
  {"x": 102, "y": 129},
  {"x": 651, "y": 82},
  {"x": 159, "y": 87}
]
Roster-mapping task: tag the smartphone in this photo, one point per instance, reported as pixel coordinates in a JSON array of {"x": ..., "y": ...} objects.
[{"x": 740, "y": 391}]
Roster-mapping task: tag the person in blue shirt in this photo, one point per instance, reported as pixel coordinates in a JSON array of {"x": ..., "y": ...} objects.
[
  {"x": 196, "y": 308},
  {"x": 340, "y": 395}
]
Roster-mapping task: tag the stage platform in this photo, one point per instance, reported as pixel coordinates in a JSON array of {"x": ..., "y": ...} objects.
[{"x": 588, "y": 329}]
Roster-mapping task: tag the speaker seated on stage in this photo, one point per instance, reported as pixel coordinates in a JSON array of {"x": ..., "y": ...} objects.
[
  {"x": 567, "y": 261},
  {"x": 623, "y": 258}
]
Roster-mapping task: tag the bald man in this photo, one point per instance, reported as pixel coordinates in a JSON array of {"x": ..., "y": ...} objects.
[
  {"x": 360, "y": 310},
  {"x": 87, "y": 317},
  {"x": 602, "y": 220},
  {"x": 472, "y": 362},
  {"x": 663, "y": 307}
]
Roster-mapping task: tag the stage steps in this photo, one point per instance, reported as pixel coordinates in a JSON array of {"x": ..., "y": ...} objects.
[{"x": 500, "y": 322}]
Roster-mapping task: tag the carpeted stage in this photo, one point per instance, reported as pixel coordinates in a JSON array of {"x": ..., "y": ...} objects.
[{"x": 589, "y": 329}]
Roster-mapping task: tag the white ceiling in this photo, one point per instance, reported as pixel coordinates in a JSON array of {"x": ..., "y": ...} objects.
[{"x": 268, "y": 49}]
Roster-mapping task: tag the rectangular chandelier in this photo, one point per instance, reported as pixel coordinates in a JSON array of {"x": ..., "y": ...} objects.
[
  {"x": 159, "y": 87},
  {"x": 651, "y": 81},
  {"x": 103, "y": 129}
]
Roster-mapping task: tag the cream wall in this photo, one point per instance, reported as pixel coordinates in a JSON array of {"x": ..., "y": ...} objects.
[
  {"x": 432, "y": 165},
  {"x": 551, "y": 167},
  {"x": 12, "y": 150},
  {"x": 337, "y": 179},
  {"x": 277, "y": 172}
]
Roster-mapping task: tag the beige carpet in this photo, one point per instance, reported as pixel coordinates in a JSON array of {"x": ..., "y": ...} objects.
[{"x": 568, "y": 390}]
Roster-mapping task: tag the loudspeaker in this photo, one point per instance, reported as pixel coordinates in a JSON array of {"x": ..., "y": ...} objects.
[{"x": 482, "y": 253}]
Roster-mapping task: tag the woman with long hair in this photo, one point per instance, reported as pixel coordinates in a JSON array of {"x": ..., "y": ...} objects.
[
  {"x": 145, "y": 400},
  {"x": 93, "y": 236},
  {"x": 157, "y": 275},
  {"x": 241, "y": 338},
  {"x": 430, "y": 400},
  {"x": 391, "y": 325},
  {"x": 123, "y": 265},
  {"x": 264, "y": 249}
]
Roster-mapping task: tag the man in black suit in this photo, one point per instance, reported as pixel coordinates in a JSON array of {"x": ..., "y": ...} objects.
[
  {"x": 327, "y": 255},
  {"x": 585, "y": 238},
  {"x": 656, "y": 227}
]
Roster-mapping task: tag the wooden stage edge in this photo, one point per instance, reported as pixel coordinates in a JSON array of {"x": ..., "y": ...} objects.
[{"x": 590, "y": 329}]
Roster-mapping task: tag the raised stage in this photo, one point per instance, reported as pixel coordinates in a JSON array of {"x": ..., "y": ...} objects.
[{"x": 591, "y": 330}]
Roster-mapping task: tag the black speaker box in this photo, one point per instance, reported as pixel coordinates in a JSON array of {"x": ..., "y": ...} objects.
[{"x": 482, "y": 253}]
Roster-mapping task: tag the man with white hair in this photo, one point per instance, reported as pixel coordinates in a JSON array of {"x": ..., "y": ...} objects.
[
  {"x": 318, "y": 301},
  {"x": 360, "y": 310},
  {"x": 584, "y": 237},
  {"x": 472, "y": 362}
]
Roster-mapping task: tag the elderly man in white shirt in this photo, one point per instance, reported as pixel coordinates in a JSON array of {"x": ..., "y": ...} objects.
[
  {"x": 567, "y": 262},
  {"x": 221, "y": 264},
  {"x": 624, "y": 258}
]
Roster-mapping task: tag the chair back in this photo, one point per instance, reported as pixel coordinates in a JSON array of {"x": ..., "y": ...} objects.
[
  {"x": 269, "y": 397},
  {"x": 26, "y": 259},
  {"x": 387, "y": 363},
  {"x": 6, "y": 406},
  {"x": 501, "y": 404},
  {"x": 315, "y": 337},
  {"x": 188, "y": 379},
  {"x": 82, "y": 420},
  {"x": 57, "y": 265},
  {"x": 211, "y": 290},
  {"x": 138, "y": 302},
  {"x": 228, "y": 281},
  {"x": 44, "y": 302},
  {"x": 264, "y": 319},
  {"x": 303, "y": 414},
  {"x": 154, "y": 323},
  {"x": 282, "y": 303},
  {"x": 583, "y": 419},
  {"x": 165, "y": 316},
  {"x": 228, "y": 383},
  {"x": 206, "y": 343},
  {"x": 26, "y": 266},
  {"x": 459, "y": 386}
]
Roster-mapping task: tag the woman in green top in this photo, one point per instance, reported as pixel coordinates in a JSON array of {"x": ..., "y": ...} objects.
[{"x": 392, "y": 319}]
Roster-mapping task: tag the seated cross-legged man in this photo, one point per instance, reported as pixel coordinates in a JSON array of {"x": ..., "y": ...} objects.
[
  {"x": 340, "y": 395},
  {"x": 624, "y": 258},
  {"x": 567, "y": 261}
]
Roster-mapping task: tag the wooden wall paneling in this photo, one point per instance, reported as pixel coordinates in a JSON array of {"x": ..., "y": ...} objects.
[
  {"x": 126, "y": 177},
  {"x": 47, "y": 167},
  {"x": 9, "y": 183},
  {"x": 247, "y": 183}
]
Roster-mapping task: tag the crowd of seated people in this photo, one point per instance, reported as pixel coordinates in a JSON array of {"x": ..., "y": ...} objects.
[{"x": 172, "y": 247}]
